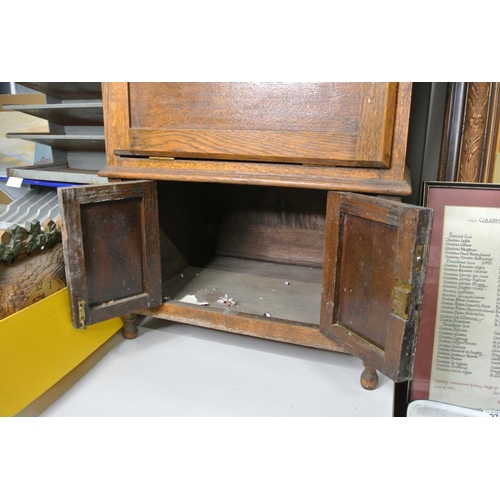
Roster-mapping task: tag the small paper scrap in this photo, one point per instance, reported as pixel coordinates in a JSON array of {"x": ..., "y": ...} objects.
[
  {"x": 191, "y": 299},
  {"x": 15, "y": 182}
]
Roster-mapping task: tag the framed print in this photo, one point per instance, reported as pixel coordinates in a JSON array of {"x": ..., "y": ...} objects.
[
  {"x": 470, "y": 133},
  {"x": 452, "y": 132},
  {"x": 457, "y": 358}
]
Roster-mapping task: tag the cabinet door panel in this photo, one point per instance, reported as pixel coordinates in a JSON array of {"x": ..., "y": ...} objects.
[
  {"x": 111, "y": 249},
  {"x": 375, "y": 257},
  {"x": 337, "y": 124}
]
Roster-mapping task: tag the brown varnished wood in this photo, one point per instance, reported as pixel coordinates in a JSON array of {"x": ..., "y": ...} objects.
[
  {"x": 275, "y": 290},
  {"x": 308, "y": 123},
  {"x": 248, "y": 145},
  {"x": 369, "y": 180},
  {"x": 364, "y": 289},
  {"x": 256, "y": 222},
  {"x": 359, "y": 277},
  {"x": 116, "y": 118},
  {"x": 297, "y": 122},
  {"x": 394, "y": 180},
  {"x": 129, "y": 330},
  {"x": 104, "y": 255},
  {"x": 117, "y": 268},
  {"x": 378, "y": 105},
  {"x": 257, "y": 171},
  {"x": 273, "y": 224},
  {"x": 267, "y": 328},
  {"x": 401, "y": 126},
  {"x": 246, "y": 106},
  {"x": 369, "y": 378}
]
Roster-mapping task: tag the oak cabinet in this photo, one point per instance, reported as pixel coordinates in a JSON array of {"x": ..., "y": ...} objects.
[
  {"x": 244, "y": 207},
  {"x": 310, "y": 135}
]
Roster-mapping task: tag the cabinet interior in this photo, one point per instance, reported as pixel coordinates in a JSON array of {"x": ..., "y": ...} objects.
[{"x": 260, "y": 246}]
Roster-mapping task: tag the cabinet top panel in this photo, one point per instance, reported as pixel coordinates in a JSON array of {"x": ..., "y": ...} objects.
[
  {"x": 354, "y": 125},
  {"x": 273, "y": 106}
]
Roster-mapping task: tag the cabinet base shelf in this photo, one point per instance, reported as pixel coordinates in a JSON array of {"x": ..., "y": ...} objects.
[
  {"x": 271, "y": 300},
  {"x": 280, "y": 291},
  {"x": 253, "y": 326}
]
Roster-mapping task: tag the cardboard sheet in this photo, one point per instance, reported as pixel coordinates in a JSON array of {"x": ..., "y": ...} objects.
[{"x": 39, "y": 346}]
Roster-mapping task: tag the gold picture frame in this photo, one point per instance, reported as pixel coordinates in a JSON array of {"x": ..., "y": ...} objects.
[{"x": 470, "y": 144}]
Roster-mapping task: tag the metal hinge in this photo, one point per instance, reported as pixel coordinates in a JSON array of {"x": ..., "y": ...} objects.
[
  {"x": 169, "y": 158},
  {"x": 419, "y": 258},
  {"x": 81, "y": 313},
  {"x": 401, "y": 297}
]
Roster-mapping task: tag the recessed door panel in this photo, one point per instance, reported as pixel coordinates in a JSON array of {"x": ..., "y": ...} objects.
[
  {"x": 111, "y": 249},
  {"x": 375, "y": 256}
]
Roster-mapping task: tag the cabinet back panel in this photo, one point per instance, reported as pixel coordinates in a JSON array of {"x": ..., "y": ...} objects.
[
  {"x": 199, "y": 221},
  {"x": 271, "y": 224}
]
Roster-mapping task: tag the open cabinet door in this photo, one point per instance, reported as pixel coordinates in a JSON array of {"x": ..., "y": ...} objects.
[
  {"x": 375, "y": 259},
  {"x": 111, "y": 249}
]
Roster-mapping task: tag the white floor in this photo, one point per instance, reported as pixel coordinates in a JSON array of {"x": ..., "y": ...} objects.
[{"x": 175, "y": 370}]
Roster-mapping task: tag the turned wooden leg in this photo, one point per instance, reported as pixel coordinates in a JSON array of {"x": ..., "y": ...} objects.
[
  {"x": 129, "y": 330},
  {"x": 369, "y": 378}
]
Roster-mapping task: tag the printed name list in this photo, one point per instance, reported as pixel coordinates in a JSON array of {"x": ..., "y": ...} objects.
[{"x": 466, "y": 356}]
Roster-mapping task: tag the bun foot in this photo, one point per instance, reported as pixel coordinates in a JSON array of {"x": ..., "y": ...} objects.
[
  {"x": 369, "y": 378},
  {"x": 129, "y": 330}
]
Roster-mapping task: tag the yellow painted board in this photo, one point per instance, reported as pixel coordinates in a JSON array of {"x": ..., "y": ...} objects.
[{"x": 39, "y": 346}]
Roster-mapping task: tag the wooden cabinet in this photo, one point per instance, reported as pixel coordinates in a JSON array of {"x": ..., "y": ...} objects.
[
  {"x": 310, "y": 135},
  {"x": 236, "y": 211}
]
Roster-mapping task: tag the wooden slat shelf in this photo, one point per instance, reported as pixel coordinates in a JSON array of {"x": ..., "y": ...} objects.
[
  {"x": 78, "y": 113},
  {"x": 81, "y": 142},
  {"x": 67, "y": 90}
]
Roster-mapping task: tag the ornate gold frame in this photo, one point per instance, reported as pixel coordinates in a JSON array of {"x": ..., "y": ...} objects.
[{"x": 471, "y": 130}]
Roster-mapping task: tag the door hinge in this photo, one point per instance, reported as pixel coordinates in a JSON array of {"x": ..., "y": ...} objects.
[
  {"x": 401, "y": 297},
  {"x": 419, "y": 258},
  {"x": 81, "y": 314}
]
